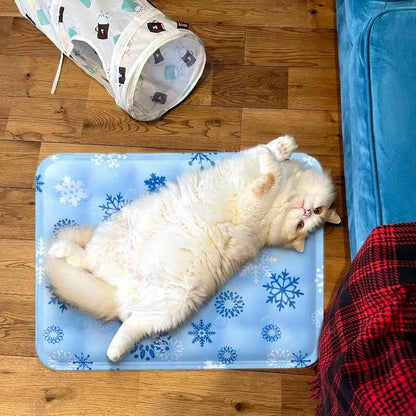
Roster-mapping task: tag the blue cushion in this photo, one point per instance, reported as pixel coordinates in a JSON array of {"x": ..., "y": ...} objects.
[{"x": 377, "y": 53}]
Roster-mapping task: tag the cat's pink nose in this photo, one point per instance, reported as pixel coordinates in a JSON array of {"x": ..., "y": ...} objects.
[{"x": 307, "y": 212}]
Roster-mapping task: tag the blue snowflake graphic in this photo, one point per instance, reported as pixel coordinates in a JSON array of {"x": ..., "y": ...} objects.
[
  {"x": 271, "y": 333},
  {"x": 283, "y": 290},
  {"x": 229, "y": 304},
  {"x": 113, "y": 205},
  {"x": 202, "y": 333},
  {"x": 201, "y": 158},
  {"x": 63, "y": 223},
  {"x": 144, "y": 351},
  {"x": 168, "y": 348},
  {"x": 39, "y": 183},
  {"x": 227, "y": 355},
  {"x": 300, "y": 359},
  {"x": 155, "y": 183},
  {"x": 54, "y": 300},
  {"x": 53, "y": 334},
  {"x": 82, "y": 362}
]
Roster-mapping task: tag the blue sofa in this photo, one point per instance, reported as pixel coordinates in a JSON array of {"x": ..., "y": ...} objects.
[{"x": 377, "y": 56}]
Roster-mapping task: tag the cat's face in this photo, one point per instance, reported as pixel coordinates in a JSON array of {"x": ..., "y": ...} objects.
[{"x": 307, "y": 209}]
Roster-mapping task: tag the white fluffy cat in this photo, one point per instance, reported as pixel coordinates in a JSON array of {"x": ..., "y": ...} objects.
[{"x": 166, "y": 254}]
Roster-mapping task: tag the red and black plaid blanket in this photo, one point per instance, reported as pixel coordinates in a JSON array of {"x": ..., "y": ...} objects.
[{"x": 367, "y": 353}]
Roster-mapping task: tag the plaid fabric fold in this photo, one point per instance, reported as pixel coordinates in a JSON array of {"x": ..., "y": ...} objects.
[{"x": 367, "y": 352}]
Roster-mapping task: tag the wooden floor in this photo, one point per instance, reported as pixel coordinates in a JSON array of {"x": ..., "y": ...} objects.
[{"x": 272, "y": 69}]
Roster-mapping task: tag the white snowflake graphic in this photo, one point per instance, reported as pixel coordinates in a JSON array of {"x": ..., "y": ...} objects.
[
  {"x": 61, "y": 360},
  {"x": 111, "y": 159},
  {"x": 259, "y": 268},
  {"x": 283, "y": 290},
  {"x": 40, "y": 253},
  {"x": 54, "y": 158},
  {"x": 168, "y": 348},
  {"x": 317, "y": 317},
  {"x": 308, "y": 160},
  {"x": 71, "y": 191},
  {"x": 319, "y": 279},
  {"x": 279, "y": 358},
  {"x": 210, "y": 365}
]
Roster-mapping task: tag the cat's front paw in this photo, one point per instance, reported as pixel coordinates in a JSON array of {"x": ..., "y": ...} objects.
[
  {"x": 113, "y": 354},
  {"x": 282, "y": 147}
]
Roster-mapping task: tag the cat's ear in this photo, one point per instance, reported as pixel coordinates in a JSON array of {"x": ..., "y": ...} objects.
[
  {"x": 299, "y": 243},
  {"x": 332, "y": 217}
]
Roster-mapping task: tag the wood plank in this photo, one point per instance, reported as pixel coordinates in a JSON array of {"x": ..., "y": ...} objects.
[
  {"x": 26, "y": 39},
  {"x": 223, "y": 44},
  {"x": 5, "y": 28},
  {"x": 33, "y": 77},
  {"x": 317, "y": 132},
  {"x": 316, "y": 89},
  {"x": 185, "y": 127},
  {"x": 21, "y": 161},
  {"x": 250, "y": 86},
  {"x": 291, "y": 47},
  {"x": 17, "y": 329},
  {"x": 36, "y": 119},
  {"x": 5, "y": 104},
  {"x": 282, "y": 13},
  {"x": 17, "y": 270},
  {"x": 209, "y": 393},
  {"x": 296, "y": 398},
  {"x": 336, "y": 268},
  {"x": 8, "y": 8},
  {"x": 17, "y": 213},
  {"x": 33, "y": 389}
]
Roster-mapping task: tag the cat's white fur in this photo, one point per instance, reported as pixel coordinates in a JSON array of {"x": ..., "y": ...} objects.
[{"x": 166, "y": 254}]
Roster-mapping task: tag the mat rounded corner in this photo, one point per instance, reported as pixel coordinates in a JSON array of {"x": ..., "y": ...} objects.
[{"x": 46, "y": 162}]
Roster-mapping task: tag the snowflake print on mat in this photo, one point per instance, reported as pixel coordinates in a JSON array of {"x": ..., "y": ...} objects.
[
  {"x": 271, "y": 333},
  {"x": 39, "y": 183},
  {"x": 154, "y": 183},
  {"x": 201, "y": 332},
  {"x": 259, "y": 268},
  {"x": 53, "y": 334},
  {"x": 113, "y": 204},
  {"x": 61, "y": 360},
  {"x": 283, "y": 290},
  {"x": 111, "y": 160},
  {"x": 201, "y": 158},
  {"x": 63, "y": 223},
  {"x": 300, "y": 360},
  {"x": 317, "y": 317},
  {"x": 40, "y": 253},
  {"x": 54, "y": 300},
  {"x": 144, "y": 351},
  {"x": 279, "y": 358},
  {"x": 71, "y": 191},
  {"x": 210, "y": 365},
  {"x": 319, "y": 279},
  {"x": 227, "y": 355},
  {"x": 81, "y": 362},
  {"x": 229, "y": 304},
  {"x": 168, "y": 348}
]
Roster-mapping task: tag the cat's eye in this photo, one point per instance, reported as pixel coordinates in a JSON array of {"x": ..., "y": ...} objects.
[
  {"x": 300, "y": 225},
  {"x": 318, "y": 211}
]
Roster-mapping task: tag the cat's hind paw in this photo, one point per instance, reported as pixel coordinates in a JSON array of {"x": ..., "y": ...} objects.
[
  {"x": 283, "y": 147},
  {"x": 60, "y": 250}
]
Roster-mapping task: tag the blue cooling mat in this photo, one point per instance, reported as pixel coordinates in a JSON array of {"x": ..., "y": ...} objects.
[{"x": 268, "y": 315}]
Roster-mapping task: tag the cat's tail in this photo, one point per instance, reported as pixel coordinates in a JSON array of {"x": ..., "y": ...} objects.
[{"x": 80, "y": 288}]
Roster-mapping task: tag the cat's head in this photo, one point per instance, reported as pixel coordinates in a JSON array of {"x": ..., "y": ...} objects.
[{"x": 308, "y": 206}]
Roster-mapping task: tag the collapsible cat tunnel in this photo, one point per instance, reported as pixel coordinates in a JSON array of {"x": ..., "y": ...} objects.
[{"x": 147, "y": 62}]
